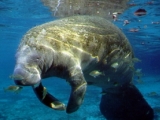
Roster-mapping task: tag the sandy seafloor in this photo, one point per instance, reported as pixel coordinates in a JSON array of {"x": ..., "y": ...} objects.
[{"x": 16, "y": 17}]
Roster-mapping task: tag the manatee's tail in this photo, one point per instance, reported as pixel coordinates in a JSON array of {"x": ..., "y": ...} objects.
[
  {"x": 125, "y": 104},
  {"x": 47, "y": 98}
]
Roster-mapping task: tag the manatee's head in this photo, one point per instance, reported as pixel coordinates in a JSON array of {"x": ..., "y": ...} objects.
[
  {"x": 26, "y": 75},
  {"x": 28, "y": 68}
]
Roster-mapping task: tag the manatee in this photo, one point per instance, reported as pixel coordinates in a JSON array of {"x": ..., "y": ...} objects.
[
  {"x": 102, "y": 8},
  {"x": 75, "y": 48}
]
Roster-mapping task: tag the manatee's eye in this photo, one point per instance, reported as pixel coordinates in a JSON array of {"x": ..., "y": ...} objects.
[
  {"x": 37, "y": 59},
  {"x": 34, "y": 58}
]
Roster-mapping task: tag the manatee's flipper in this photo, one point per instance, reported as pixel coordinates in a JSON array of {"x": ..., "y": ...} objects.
[
  {"x": 127, "y": 104},
  {"x": 47, "y": 98},
  {"x": 78, "y": 89}
]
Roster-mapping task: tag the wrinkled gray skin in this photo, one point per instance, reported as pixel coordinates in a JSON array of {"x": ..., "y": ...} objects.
[{"x": 71, "y": 48}]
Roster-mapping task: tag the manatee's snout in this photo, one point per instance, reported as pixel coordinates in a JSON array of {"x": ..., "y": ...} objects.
[
  {"x": 25, "y": 75},
  {"x": 19, "y": 76}
]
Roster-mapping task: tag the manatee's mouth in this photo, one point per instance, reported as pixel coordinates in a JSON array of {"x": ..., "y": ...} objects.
[
  {"x": 25, "y": 75},
  {"x": 19, "y": 76}
]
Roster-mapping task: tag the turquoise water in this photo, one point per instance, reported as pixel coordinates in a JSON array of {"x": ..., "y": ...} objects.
[{"x": 18, "y": 16}]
